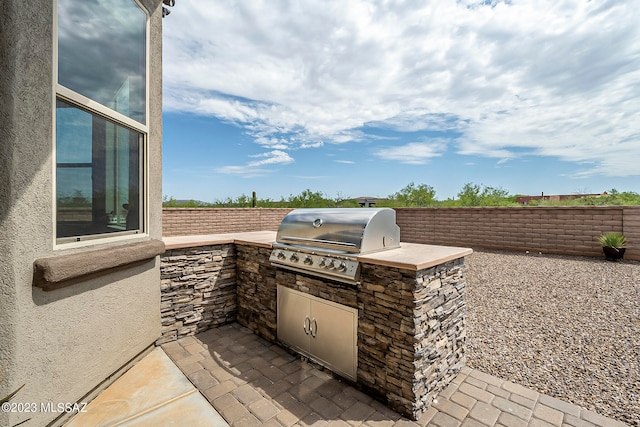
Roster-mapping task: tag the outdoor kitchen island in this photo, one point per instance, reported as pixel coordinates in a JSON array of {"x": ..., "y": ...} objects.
[{"x": 409, "y": 304}]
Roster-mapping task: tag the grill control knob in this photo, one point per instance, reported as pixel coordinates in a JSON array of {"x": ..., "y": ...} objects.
[
  {"x": 322, "y": 263},
  {"x": 342, "y": 266},
  {"x": 281, "y": 255},
  {"x": 308, "y": 260},
  {"x": 332, "y": 265},
  {"x": 294, "y": 258}
]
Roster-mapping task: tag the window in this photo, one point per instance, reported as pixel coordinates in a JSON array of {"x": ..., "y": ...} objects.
[
  {"x": 101, "y": 116},
  {"x": 98, "y": 174}
]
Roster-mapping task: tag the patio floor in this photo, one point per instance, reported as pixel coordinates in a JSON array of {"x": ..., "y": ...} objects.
[{"x": 251, "y": 382}]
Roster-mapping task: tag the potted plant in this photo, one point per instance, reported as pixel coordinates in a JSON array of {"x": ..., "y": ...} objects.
[{"x": 613, "y": 245}]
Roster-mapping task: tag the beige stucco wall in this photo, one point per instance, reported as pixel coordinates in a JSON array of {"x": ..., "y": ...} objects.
[{"x": 61, "y": 343}]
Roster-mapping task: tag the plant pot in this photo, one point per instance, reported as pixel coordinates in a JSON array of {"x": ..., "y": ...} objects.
[{"x": 613, "y": 254}]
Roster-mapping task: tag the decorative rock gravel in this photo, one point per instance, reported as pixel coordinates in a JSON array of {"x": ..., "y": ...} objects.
[{"x": 568, "y": 327}]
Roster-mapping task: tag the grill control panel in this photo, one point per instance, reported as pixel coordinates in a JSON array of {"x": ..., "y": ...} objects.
[{"x": 336, "y": 267}]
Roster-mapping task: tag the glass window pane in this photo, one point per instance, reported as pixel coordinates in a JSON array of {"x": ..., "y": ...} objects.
[
  {"x": 98, "y": 174},
  {"x": 71, "y": 138},
  {"x": 102, "y": 53}
]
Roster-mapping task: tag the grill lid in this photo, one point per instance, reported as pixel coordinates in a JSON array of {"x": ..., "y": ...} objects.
[{"x": 350, "y": 230}]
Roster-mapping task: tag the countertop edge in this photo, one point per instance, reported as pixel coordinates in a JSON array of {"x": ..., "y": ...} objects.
[
  {"x": 450, "y": 253},
  {"x": 410, "y": 256},
  {"x": 258, "y": 238}
]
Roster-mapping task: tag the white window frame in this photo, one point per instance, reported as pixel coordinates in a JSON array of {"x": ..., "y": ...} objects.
[{"x": 93, "y": 107}]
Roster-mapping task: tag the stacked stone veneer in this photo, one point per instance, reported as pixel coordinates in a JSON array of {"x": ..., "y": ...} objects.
[
  {"x": 198, "y": 290},
  {"x": 411, "y": 332},
  {"x": 257, "y": 291},
  {"x": 411, "y": 324}
]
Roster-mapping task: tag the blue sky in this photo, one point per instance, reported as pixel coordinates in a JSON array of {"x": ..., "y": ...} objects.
[{"x": 361, "y": 98}]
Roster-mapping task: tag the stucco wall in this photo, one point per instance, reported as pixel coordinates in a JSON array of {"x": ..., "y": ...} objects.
[{"x": 63, "y": 343}]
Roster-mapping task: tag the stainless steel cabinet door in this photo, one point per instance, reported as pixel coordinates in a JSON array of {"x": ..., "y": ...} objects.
[
  {"x": 293, "y": 318},
  {"x": 334, "y": 336},
  {"x": 323, "y": 330}
]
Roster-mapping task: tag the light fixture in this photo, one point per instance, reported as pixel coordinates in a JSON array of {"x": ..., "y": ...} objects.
[{"x": 169, "y": 3}]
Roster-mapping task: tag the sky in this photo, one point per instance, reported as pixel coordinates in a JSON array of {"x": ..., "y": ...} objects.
[{"x": 360, "y": 98}]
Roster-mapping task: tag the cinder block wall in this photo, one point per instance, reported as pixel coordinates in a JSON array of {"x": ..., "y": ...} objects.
[
  {"x": 631, "y": 229},
  {"x": 197, "y": 221},
  {"x": 555, "y": 230}
]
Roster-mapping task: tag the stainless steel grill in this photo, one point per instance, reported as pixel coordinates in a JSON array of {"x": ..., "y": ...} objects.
[{"x": 327, "y": 242}]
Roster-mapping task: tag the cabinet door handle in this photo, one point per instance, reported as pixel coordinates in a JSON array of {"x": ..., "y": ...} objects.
[
  {"x": 313, "y": 327},
  {"x": 306, "y": 326}
]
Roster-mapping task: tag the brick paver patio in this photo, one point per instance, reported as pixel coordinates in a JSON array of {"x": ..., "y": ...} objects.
[{"x": 252, "y": 382}]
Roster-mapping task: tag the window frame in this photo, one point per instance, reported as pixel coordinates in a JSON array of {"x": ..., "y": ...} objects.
[{"x": 95, "y": 108}]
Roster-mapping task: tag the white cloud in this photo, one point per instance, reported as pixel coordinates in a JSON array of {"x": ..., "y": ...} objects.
[
  {"x": 312, "y": 144},
  {"x": 239, "y": 170},
  {"x": 516, "y": 78},
  {"x": 414, "y": 153},
  {"x": 253, "y": 168},
  {"x": 271, "y": 158}
]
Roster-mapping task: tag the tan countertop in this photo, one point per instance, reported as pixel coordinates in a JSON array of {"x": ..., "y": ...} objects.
[
  {"x": 257, "y": 238},
  {"x": 410, "y": 256},
  {"x": 415, "y": 256}
]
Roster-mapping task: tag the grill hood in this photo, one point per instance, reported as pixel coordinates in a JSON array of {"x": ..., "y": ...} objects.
[{"x": 346, "y": 230}]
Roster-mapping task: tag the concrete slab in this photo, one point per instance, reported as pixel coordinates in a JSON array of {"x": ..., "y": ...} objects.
[{"x": 153, "y": 392}]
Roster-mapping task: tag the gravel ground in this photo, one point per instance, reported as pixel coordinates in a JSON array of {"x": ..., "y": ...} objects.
[{"x": 568, "y": 327}]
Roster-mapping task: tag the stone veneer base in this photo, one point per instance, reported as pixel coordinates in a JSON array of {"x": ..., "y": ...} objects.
[
  {"x": 198, "y": 290},
  {"x": 411, "y": 324}
]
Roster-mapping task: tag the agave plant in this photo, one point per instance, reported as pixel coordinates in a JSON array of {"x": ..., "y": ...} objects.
[
  {"x": 8, "y": 398},
  {"x": 612, "y": 240}
]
